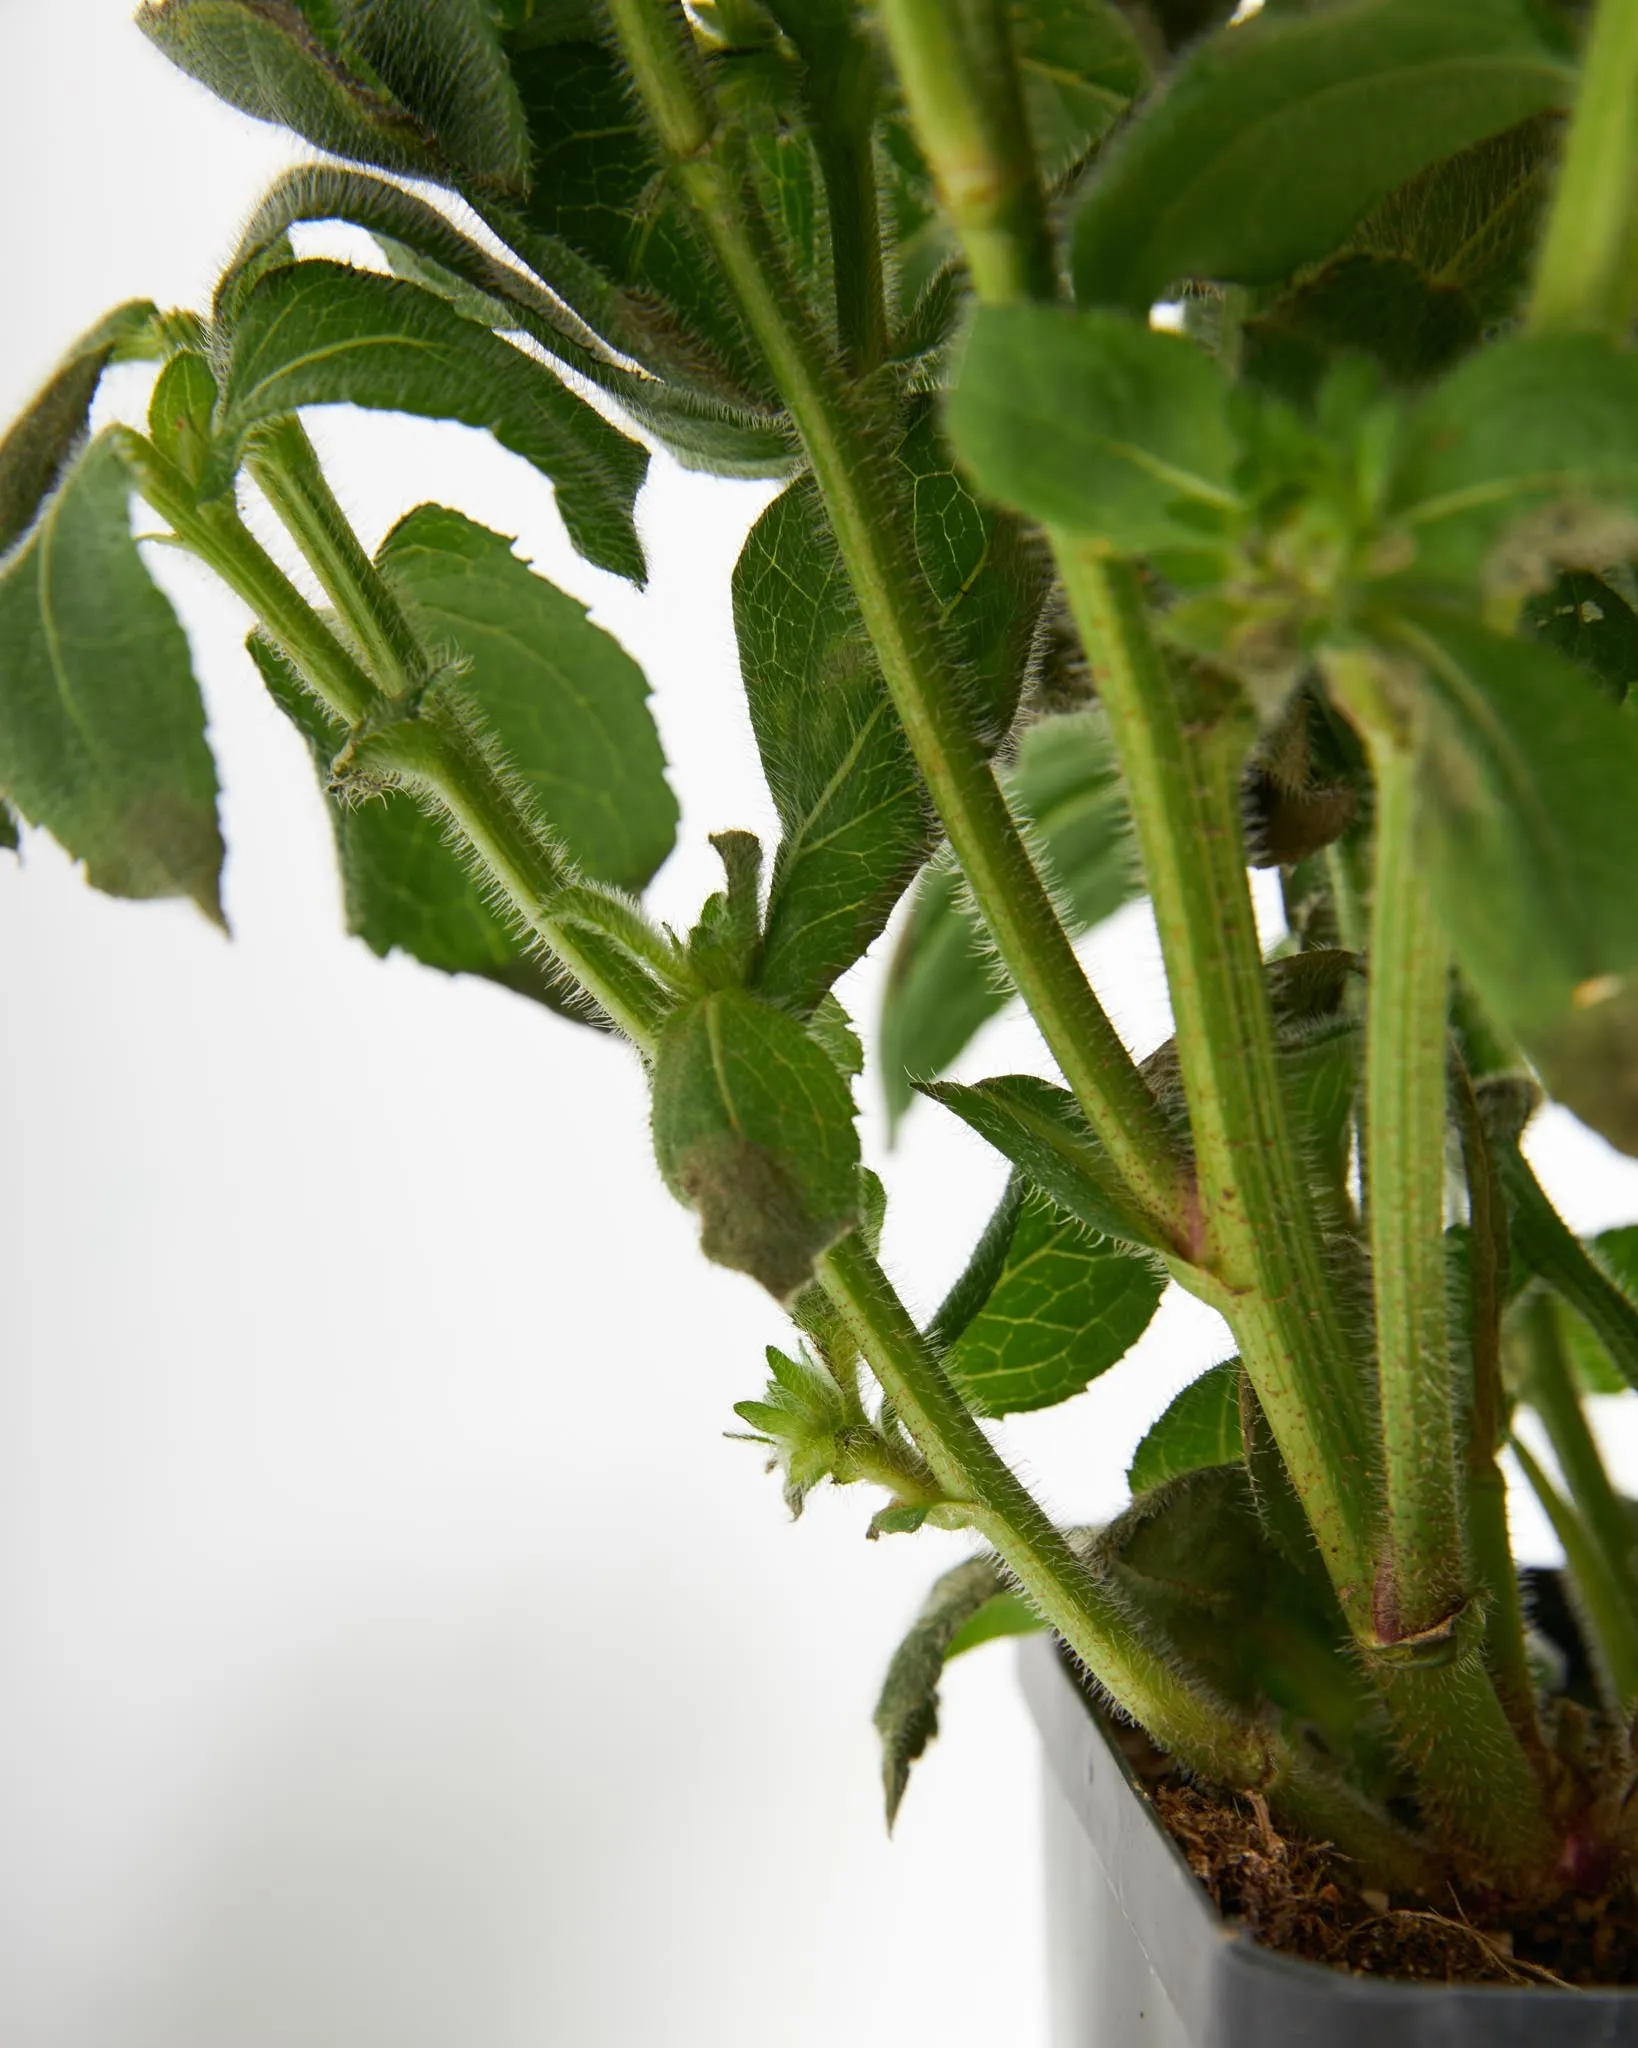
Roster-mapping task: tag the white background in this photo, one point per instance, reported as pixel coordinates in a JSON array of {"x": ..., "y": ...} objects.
[{"x": 396, "y": 1654}]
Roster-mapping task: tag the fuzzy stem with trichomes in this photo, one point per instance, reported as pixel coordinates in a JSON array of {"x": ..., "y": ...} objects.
[
  {"x": 1085, "y": 1611},
  {"x": 1264, "y": 1265},
  {"x": 285, "y": 466},
  {"x": 1419, "y": 1585},
  {"x": 955, "y": 62},
  {"x": 1587, "y": 273},
  {"x": 431, "y": 749},
  {"x": 870, "y": 520}
]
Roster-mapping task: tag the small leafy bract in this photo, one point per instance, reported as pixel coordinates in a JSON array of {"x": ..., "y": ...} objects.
[
  {"x": 753, "y": 1128},
  {"x": 1200, "y": 1428},
  {"x": 1064, "y": 1307},
  {"x": 1271, "y": 143},
  {"x": 318, "y": 333},
  {"x": 102, "y": 730},
  {"x": 1096, "y": 424}
]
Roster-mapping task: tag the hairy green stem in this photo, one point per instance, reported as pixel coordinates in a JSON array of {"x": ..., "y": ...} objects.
[
  {"x": 1549, "y": 1388},
  {"x": 1587, "y": 274},
  {"x": 284, "y": 464},
  {"x": 870, "y": 520},
  {"x": 435, "y": 754},
  {"x": 1266, "y": 1266},
  {"x": 1420, "y": 1582},
  {"x": 955, "y": 62},
  {"x": 214, "y": 532},
  {"x": 1604, "y": 1610},
  {"x": 1084, "y": 1609}
]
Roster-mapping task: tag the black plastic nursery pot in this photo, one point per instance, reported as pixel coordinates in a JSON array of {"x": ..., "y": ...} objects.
[{"x": 1139, "y": 1957}]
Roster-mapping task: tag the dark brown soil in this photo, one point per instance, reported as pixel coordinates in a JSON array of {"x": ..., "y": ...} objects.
[{"x": 1306, "y": 1900}]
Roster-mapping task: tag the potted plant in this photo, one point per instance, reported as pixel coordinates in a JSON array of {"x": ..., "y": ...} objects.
[{"x": 1334, "y": 579}]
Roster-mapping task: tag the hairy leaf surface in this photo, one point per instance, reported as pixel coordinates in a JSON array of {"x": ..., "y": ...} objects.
[
  {"x": 567, "y": 703},
  {"x": 1094, "y": 423},
  {"x": 41, "y": 440},
  {"x": 838, "y": 765},
  {"x": 753, "y": 1128},
  {"x": 318, "y": 333},
  {"x": 1064, "y": 1306},
  {"x": 102, "y": 730},
  {"x": 907, "y": 1711},
  {"x": 1200, "y": 1428},
  {"x": 1270, "y": 143}
]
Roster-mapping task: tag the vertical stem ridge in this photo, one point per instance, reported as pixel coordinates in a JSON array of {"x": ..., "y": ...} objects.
[
  {"x": 1421, "y": 1583},
  {"x": 1264, "y": 1253}
]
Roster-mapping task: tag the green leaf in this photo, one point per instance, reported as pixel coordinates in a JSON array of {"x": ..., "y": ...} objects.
[
  {"x": 265, "y": 58},
  {"x": 102, "y": 731},
  {"x": 568, "y": 708},
  {"x": 42, "y": 439},
  {"x": 1544, "y": 425},
  {"x": 979, "y": 1277},
  {"x": 1201, "y": 1428},
  {"x": 987, "y": 578},
  {"x": 425, "y": 247},
  {"x": 1273, "y": 141},
  {"x": 1584, "y": 619},
  {"x": 1195, "y": 1561},
  {"x": 1527, "y": 802},
  {"x": 442, "y": 59},
  {"x": 1096, "y": 424},
  {"x": 944, "y": 981},
  {"x": 907, "y": 1711},
  {"x": 753, "y": 1128},
  {"x": 405, "y": 888},
  {"x": 1424, "y": 276},
  {"x": 1081, "y": 67},
  {"x": 1597, "y": 1280},
  {"x": 321, "y": 334},
  {"x": 848, "y": 794},
  {"x": 1039, "y": 1128},
  {"x": 1065, "y": 1306},
  {"x": 180, "y": 414},
  {"x": 565, "y": 701},
  {"x": 600, "y": 193}
]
